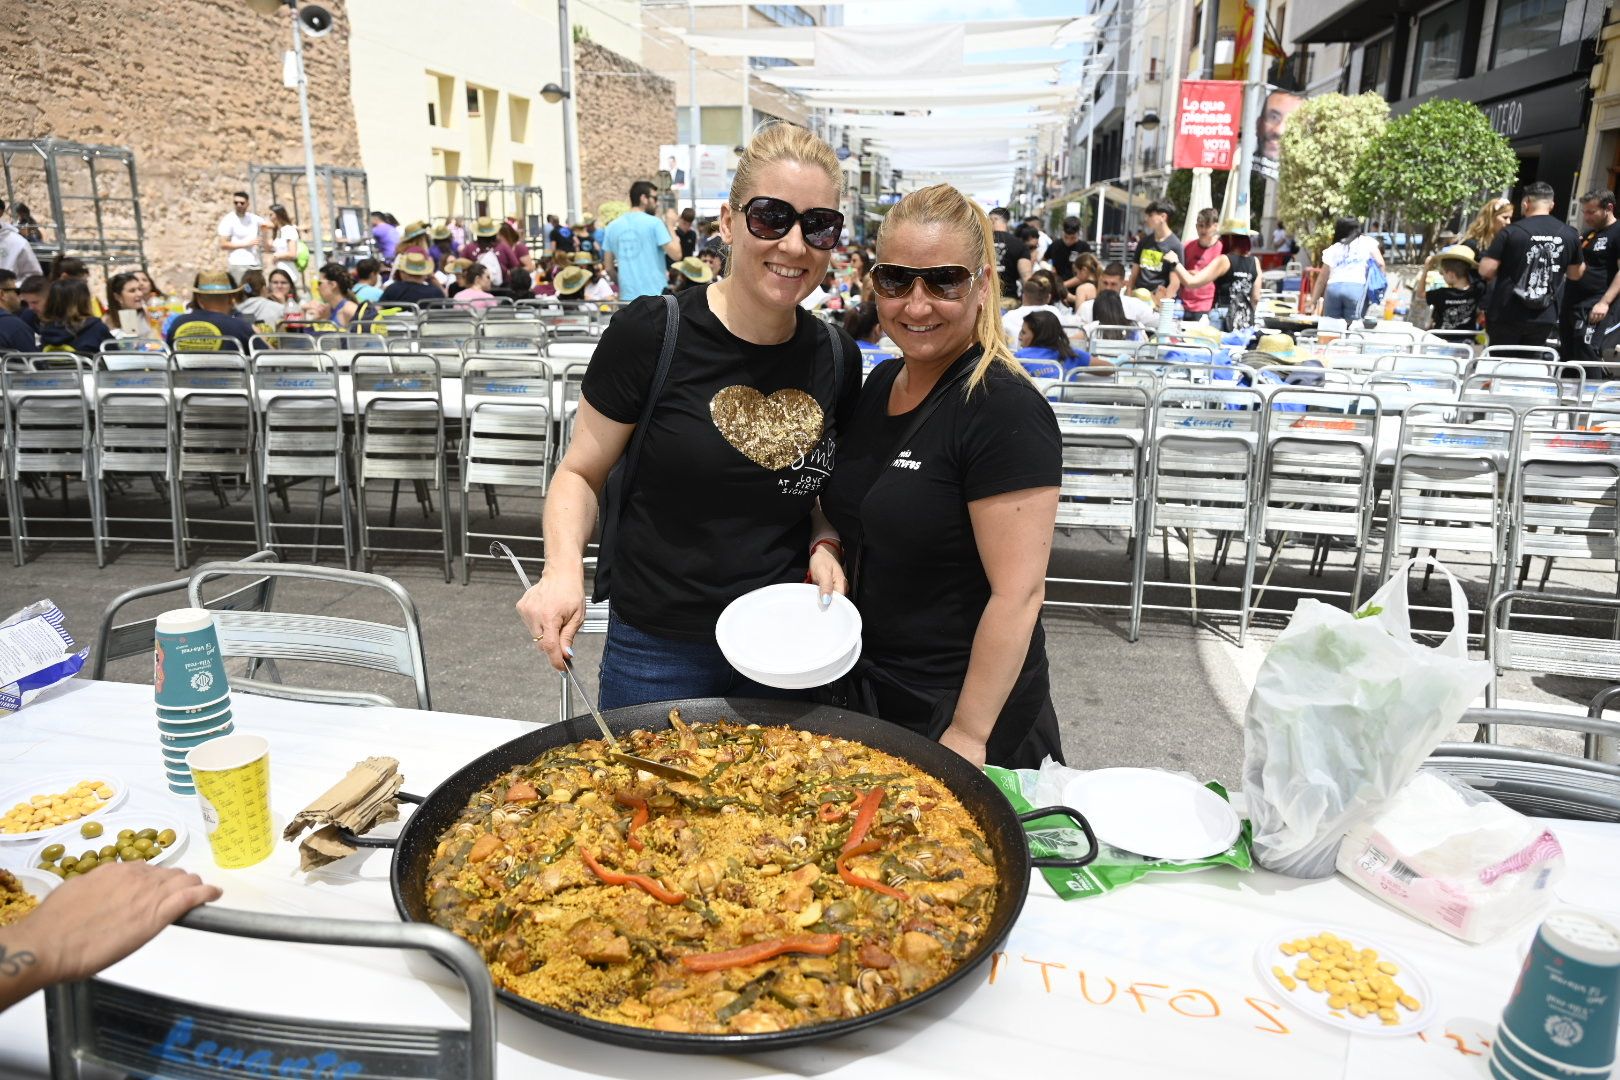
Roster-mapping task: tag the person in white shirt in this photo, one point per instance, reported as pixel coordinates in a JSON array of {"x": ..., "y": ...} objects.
[
  {"x": 239, "y": 236},
  {"x": 1042, "y": 241},
  {"x": 285, "y": 244},
  {"x": 1037, "y": 297},
  {"x": 16, "y": 254},
  {"x": 1137, "y": 311}
]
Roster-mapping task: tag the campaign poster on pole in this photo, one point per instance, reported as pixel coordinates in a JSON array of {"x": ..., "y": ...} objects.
[
  {"x": 1207, "y": 124},
  {"x": 1279, "y": 105},
  {"x": 706, "y": 180}
]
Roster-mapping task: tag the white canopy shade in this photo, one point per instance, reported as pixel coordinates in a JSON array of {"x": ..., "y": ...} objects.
[
  {"x": 911, "y": 99},
  {"x": 799, "y": 42},
  {"x": 943, "y": 120},
  {"x": 817, "y": 77}
]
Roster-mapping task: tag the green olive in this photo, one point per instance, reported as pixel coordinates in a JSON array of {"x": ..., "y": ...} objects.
[
  {"x": 52, "y": 869},
  {"x": 145, "y": 845},
  {"x": 129, "y": 853},
  {"x": 89, "y": 856},
  {"x": 147, "y": 834},
  {"x": 69, "y": 862},
  {"x": 108, "y": 853},
  {"x": 75, "y": 872},
  {"x": 90, "y": 830},
  {"x": 165, "y": 838},
  {"x": 52, "y": 853},
  {"x": 125, "y": 835},
  {"x": 88, "y": 863}
]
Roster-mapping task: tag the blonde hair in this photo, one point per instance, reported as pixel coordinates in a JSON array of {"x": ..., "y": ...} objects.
[
  {"x": 776, "y": 141},
  {"x": 1483, "y": 229},
  {"x": 943, "y": 205}
]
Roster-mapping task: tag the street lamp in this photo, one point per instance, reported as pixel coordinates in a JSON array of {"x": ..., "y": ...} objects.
[
  {"x": 315, "y": 21},
  {"x": 563, "y": 94}
]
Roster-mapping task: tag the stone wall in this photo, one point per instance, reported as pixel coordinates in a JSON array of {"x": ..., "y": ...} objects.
[
  {"x": 192, "y": 86},
  {"x": 625, "y": 113}
]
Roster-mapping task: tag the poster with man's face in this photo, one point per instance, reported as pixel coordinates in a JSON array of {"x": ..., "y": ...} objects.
[{"x": 1279, "y": 106}]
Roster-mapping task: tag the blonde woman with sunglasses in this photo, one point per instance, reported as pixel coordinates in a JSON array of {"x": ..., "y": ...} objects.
[
  {"x": 723, "y": 454},
  {"x": 946, "y": 496}
]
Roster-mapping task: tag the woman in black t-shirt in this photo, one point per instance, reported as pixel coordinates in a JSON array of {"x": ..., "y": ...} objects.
[
  {"x": 1236, "y": 275},
  {"x": 738, "y": 443},
  {"x": 946, "y": 495}
]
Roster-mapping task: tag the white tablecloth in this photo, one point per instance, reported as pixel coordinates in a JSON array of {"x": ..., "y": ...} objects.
[{"x": 1154, "y": 981}]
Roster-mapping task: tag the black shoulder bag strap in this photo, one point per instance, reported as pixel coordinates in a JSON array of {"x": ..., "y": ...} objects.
[
  {"x": 622, "y": 478},
  {"x": 837, "y": 346}
]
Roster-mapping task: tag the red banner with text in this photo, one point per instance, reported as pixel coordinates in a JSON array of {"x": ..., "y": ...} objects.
[{"x": 1207, "y": 124}]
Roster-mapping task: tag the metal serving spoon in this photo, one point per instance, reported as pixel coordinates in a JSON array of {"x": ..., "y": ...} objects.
[{"x": 657, "y": 768}]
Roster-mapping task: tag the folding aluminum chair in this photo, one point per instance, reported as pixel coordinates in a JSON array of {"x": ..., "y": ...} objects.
[
  {"x": 273, "y": 636},
  {"x": 573, "y": 378},
  {"x": 1319, "y": 451},
  {"x": 1540, "y": 783},
  {"x": 51, "y": 438},
  {"x": 134, "y": 437},
  {"x": 447, "y": 321},
  {"x": 298, "y": 399},
  {"x": 1111, "y": 341},
  {"x": 1420, "y": 363},
  {"x": 399, "y": 436},
  {"x": 282, "y": 342},
  {"x": 511, "y": 322},
  {"x": 214, "y": 421},
  {"x": 121, "y": 641},
  {"x": 97, "y": 1022},
  {"x": 1519, "y": 391},
  {"x": 1203, "y": 465},
  {"x": 1104, "y": 431},
  {"x": 1593, "y": 655},
  {"x": 1522, "y": 352},
  {"x": 506, "y": 441},
  {"x": 1449, "y": 486},
  {"x": 1565, "y": 495}
]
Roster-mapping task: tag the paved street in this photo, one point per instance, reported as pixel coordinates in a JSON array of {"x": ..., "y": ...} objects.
[{"x": 1174, "y": 698}]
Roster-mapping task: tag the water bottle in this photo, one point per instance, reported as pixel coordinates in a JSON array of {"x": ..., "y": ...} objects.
[{"x": 1167, "y": 317}]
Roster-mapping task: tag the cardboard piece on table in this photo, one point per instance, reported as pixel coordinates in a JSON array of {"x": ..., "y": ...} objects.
[{"x": 363, "y": 799}]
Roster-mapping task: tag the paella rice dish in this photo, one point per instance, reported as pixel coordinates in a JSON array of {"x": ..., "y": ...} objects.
[
  {"x": 805, "y": 879},
  {"x": 15, "y": 901}
]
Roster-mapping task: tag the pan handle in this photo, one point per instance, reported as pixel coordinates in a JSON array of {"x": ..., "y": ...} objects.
[
  {"x": 1079, "y": 819},
  {"x": 378, "y": 841}
]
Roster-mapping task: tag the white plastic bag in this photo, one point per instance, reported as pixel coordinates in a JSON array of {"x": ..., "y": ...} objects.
[
  {"x": 1454, "y": 858},
  {"x": 1344, "y": 710}
]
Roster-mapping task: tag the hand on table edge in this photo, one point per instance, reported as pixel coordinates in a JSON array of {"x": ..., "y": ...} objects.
[{"x": 90, "y": 922}]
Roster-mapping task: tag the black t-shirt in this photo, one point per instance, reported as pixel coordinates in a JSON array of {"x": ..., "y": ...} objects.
[
  {"x": 1009, "y": 249},
  {"x": 563, "y": 239},
  {"x": 410, "y": 292},
  {"x": 208, "y": 324},
  {"x": 1545, "y": 247},
  {"x": 1455, "y": 309},
  {"x": 1062, "y": 255},
  {"x": 727, "y": 477},
  {"x": 1153, "y": 274},
  {"x": 1600, "y": 248},
  {"x": 586, "y": 241},
  {"x": 688, "y": 239},
  {"x": 1234, "y": 291},
  {"x": 922, "y": 588}
]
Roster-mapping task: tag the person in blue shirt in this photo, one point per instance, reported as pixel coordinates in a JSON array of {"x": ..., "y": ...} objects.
[
  {"x": 1042, "y": 338},
  {"x": 635, "y": 245}
]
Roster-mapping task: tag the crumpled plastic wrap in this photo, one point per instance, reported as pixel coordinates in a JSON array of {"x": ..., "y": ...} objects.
[{"x": 36, "y": 653}]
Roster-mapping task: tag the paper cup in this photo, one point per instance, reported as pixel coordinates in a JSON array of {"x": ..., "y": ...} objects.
[
  {"x": 1563, "y": 1017},
  {"x": 182, "y": 743},
  {"x": 188, "y": 670},
  {"x": 232, "y": 775},
  {"x": 207, "y": 723}
]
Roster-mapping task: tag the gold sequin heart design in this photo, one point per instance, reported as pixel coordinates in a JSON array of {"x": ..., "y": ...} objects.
[{"x": 772, "y": 432}]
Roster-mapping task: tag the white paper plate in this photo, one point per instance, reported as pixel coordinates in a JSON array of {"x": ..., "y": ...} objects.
[
  {"x": 780, "y": 636},
  {"x": 37, "y": 882},
  {"x": 1303, "y": 999},
  {"x": 1154, "y": 813},
  {"x": 55, "y": 784},
  {"x": 68, "y": 835}
]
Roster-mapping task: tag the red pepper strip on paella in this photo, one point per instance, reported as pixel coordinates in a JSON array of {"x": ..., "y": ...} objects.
[
  {"x": 864, "y": 819},
  {"x": 814, "y": 944},
  {"x": 640, "y": 881},
  {"x": 639, "y": 805},
  {"x": 854, "y": 879}
]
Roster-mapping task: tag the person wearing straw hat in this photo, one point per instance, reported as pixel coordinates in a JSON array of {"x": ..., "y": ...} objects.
[
  {"x": 570, "y": 282},
  {"x": 1455, "y": 304},
  {"x": 412, "y": 237},
  {"x": 411, "y": 284},
  {"x": 483, "y": 249},
  {"x": 442, "y": 249},
  {"x": 690, "y": 271},
  {"x": 213, "y": 298},
  {"x": 735, "y": 398}
]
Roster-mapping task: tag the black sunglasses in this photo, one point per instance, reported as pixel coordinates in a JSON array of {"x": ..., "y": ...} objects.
[
  {"x": 771, "y": 219},
  {"x": 950, "y": 282}
]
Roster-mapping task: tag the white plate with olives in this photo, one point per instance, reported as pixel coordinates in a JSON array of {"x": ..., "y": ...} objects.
[{"x": 124, "y": 836}]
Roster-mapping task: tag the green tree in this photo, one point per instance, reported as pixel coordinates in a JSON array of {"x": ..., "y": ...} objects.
[
  {"x": 1437, "y": 160},
  {"x": 1321, "y": 147}
]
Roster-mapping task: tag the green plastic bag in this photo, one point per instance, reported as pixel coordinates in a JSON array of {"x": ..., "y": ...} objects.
[{"x": 1056, "y": 837}]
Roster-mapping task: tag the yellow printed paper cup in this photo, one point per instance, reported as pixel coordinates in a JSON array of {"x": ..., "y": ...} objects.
[{"x": 232, "y": 775}]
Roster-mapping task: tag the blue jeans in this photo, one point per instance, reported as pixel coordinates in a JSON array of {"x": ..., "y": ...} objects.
[
  {"x": 1343, "y": 300},
  {"x": 638, "y": 667}
]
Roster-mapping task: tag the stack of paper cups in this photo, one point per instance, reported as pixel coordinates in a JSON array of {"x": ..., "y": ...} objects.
[
  {"x": 1564, "y": 1017},
  {"x": 189, "y": 685}
]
